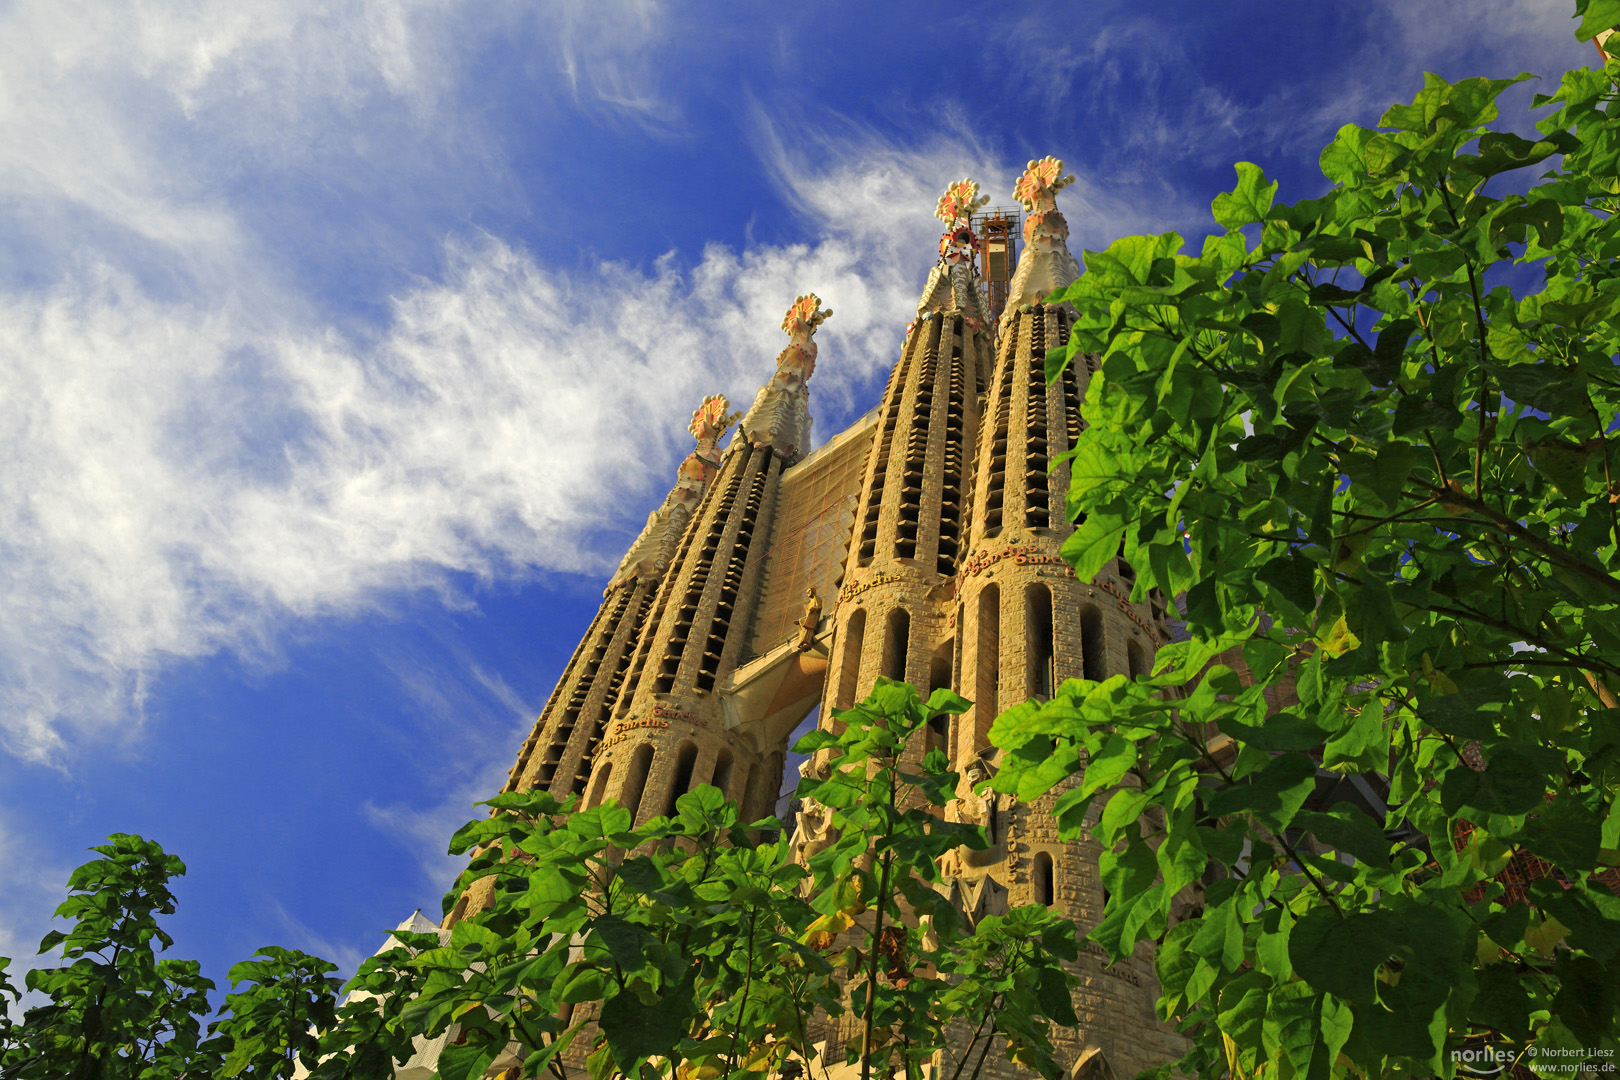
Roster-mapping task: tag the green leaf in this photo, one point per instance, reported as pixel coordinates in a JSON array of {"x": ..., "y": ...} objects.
[
  {"x": 1249, "y": 202},
  {"x": 638, "y": 1031},
  {"x": 1241, "y": 1014},
  {"x": 1290, "y": 1025},
  {"x": 1347, "y": 829},
  {"x": 1293, "y": 579},
  {"x": 1344, "y": 161},
  {"x": 1090, "y": 547},
  {"x": 1340, "y": 954},
  {"x": 1510, "y": 784},
  {"x": 1052, "y": 992},
  {"x": 1565, "y": 832},
  {"x": 1598, "y": 16},
  {"x": 466, "y": 1062},
  {"x": 1274, "y": 794}
]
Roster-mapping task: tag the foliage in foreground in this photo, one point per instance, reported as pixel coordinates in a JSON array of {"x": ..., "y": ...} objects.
[
  {"x": 700, "y": 953},
  {"x": 1370, "y": 437},
  {"x": 117, "y": 1009},
  {"x": 709, "y": 956}
]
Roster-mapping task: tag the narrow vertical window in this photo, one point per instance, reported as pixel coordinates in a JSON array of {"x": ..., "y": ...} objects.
[
  {"x": 1135, "y": 659},
  {"x": 601, "y": 784},
  {"x": 722, "y": 772},
  {"x": 939, "y": 668},
  {"x": 896, "y": 644},
  {"x": 1041, "y": 879},
  {"x": 745, "y": 789},
  {"x": 987, "y": 666},
  {"x": 1092, "y": 661},
  {"x": 681, "y": 782},
  {"x": 849, "y": 672},
  {"x": 1038, "y": 617},
  {"x": 640, "y": 765},
  {"x": 939, "y": 678}
]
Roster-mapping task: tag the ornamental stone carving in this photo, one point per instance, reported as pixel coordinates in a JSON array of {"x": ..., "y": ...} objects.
[
  {"x": 649, "y": 555},
  {"x": 953, "y": 283},
  {"x": 1046, "y": 265},
  {"x": 780, "y": 415}
]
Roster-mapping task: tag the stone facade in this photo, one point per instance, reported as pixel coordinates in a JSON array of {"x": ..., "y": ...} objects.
[{"x": 950, "y": 576}]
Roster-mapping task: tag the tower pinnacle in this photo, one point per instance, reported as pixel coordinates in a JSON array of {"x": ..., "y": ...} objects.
[
  {"x": 1046, "y": 265},
  {"x": 651, "y": 552},
  {"x": 780, "y": 415},
  {"x": 953, "y": 283}
]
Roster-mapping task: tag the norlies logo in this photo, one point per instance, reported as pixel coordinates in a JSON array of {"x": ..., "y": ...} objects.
[{"x": 1483, "y": 1060}]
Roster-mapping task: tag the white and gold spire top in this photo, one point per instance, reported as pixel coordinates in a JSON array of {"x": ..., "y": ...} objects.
[
  {"x": 780, "y": 415},
  {"x": 1045, "y": 265},
  {"x": 953, "y": 284},
  {"x": 650, "y": 554}
]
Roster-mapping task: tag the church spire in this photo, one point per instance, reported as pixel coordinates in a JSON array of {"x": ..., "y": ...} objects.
[
  {"x": 780, "y": 415},
  {"x": 651, "y": 552},
  {"x": 953, "y": 284},
  {"x": 1046, "y": 264}
]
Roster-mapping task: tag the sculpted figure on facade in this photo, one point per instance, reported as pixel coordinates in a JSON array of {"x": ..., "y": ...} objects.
[
  {"x": 810, "y": 621},
  {"x": 973, "y": 807},
  {"x": 1046, "y": 264},
  {"x": 652, "y": 550},
  {"x": 953, "y": 284},
  {"x": 813, "y": 827},
  {"x": 780, "y": 415}
]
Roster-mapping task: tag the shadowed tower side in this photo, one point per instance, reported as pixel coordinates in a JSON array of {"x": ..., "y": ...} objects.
[
  {"x": 570, "y": 728},
  {"x": 892, "y": 617},
  {"x": 670, "y": 730}
]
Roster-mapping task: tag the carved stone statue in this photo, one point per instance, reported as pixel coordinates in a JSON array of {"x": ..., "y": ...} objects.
[
  {"x": 810, "y": 620},
  {"x": 780, "y": 414},
  {"x": 1046, "y": 265},
  {"x": 813, "y": 827},
  {"x": 975, "y": 808}
]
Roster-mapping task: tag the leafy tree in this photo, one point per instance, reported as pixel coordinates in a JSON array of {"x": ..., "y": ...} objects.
[
  {"x": 272, "y": 1026},
  {"x": 1369, "y": 436},
  {"x": 703, "y": 954},
  {"x": 115, "y": 1010}
]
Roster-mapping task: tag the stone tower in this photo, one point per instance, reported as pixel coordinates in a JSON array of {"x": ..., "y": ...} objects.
[{"x": 922, "y": 543}]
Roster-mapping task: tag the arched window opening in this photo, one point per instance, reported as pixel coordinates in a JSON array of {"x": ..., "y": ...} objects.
[
  {"x": 636, "y": 781},
  {"x": 1135, "y": 659},
  {"x": 722, "y": 772},
  {"x": 1041, "y": 878},
  {"x": 939, "y": 669},
  {"x": 1038, "y": 616},
  {"x": 987, "y": 668},
  {"x": 896, "y": 643},
  {"x": 1092, "y": 660},
  {"x": 681, "y": 782},
  {"x": 849, "y": 669},
  {"x": 600, "y": 785}
]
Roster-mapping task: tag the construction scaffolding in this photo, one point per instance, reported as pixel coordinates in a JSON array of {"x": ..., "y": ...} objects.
[{"x": 997, "y": 230}]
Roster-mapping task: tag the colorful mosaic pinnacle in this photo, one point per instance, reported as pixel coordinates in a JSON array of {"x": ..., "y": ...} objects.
[
  {"x": 711, "y": 419},
  {"x": 804, "y": 316},
  {"x": 959, "y": 202},
  {"x": 956, "y": 208},
  {"x": 1041, "y": 181}
]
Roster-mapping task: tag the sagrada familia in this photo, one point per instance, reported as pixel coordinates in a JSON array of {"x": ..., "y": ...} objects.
[{"x": 921, "y": 543}]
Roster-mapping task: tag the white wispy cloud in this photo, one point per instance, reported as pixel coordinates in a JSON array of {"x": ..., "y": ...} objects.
[
  {"x": 31, "y": 885},
  {"x": 194, "y": 453}
]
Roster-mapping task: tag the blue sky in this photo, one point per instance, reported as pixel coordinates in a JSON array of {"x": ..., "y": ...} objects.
[{"x": 345, "y": 346}]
